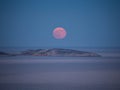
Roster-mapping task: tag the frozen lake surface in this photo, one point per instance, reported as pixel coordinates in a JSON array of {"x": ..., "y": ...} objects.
[{"x": 61, "y": 73}]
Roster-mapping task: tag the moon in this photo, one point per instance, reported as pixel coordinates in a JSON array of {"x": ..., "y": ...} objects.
[{"x": 59, "y": 33}]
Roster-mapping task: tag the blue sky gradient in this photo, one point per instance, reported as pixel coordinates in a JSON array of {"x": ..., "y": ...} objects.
[{"x": 89, "y": 23}]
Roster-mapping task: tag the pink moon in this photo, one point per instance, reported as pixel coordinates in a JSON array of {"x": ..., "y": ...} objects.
[{"x": 59, "y": 33}]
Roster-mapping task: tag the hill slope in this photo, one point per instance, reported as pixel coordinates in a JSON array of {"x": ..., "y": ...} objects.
[{"x": 58, "y": 52}]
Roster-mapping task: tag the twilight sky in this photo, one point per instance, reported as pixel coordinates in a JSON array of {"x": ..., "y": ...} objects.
[{"x": 89, "y": 23}]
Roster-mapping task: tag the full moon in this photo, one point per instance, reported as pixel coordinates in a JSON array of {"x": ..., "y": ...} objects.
[{"x": 59, "y": 33}]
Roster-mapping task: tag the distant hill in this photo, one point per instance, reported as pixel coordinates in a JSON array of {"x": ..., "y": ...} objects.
[
  {"x": 53, "y": 52},
  {"x": 58, "y": 52},
  {"x": 4, "y": 54}
]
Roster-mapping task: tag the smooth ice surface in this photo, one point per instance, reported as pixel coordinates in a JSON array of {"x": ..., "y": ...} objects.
[{"x": 60, "y": 73}]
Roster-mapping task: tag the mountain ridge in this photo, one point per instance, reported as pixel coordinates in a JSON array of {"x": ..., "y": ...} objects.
[{"x": 53, "y": 52}]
